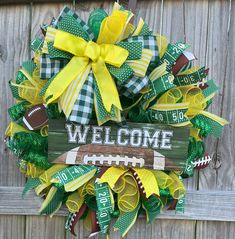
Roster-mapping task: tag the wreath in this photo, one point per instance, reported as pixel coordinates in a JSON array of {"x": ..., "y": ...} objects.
[{"x": 107, "y": 70}]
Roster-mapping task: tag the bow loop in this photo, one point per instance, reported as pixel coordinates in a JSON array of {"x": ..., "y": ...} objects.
[
  {"x": 70, "y": 43},
  {"x": 92, "y": 51}
]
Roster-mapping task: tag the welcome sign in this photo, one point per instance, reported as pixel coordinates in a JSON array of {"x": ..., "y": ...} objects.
[{"x": 140, "y": 145}]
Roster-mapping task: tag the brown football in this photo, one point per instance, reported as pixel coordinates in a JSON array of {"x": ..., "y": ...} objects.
[
  {"x": 35, "y": 117},
  {"x": 102, "y": 155}
]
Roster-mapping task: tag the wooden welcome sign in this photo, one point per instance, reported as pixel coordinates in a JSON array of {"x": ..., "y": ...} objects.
[{"x": 139, "y": 145}]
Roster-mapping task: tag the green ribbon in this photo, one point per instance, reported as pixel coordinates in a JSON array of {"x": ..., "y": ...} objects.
[
  {"x": 54, "y": 203},
  {"x": 159, "y": 86},
  {"x": 122, "y": 73},
  {"x": 95, "y": 19},
  {"x": 212, "y": 88},
  {"x": 36, "y": 44},
  {"x": 126, "y": 221},
  {"x": 145, "y": 31},
  {"x": 207, "y": 126},
  {"x": 72, "y": 173},
  {"x": 29, "y": 66},
  {"x": 180, "y": 204},
  {"x": 31, "y": 184},
  {"x": 53, "y": 111},
  {"x": 69, "y": 24},
  {"x": 104, "y": 205},
  {"x": 152, "y": 206},
  {"x": 18, "y": 110},
  {"x": 196, "y": 150},
  {"x": 134, "y": 49},
  {"x": 173, "y": 51},
  {"x": 168, "y": 116},
  {"x": 192, "y": 78}
]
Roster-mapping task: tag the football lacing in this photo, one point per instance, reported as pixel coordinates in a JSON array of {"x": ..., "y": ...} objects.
[
  {"x": 33, "y": 111},
  {"x": 203, "y": 161},
  {"x": 140, "y": 184},
  {"x": 110, "y": 159}
]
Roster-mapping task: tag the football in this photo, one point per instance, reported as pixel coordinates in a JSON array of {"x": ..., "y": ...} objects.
[
  {"x": 202, "y": 162},
  {"x": 35, "y": 117},
  {"x": 101, "y": 155}
]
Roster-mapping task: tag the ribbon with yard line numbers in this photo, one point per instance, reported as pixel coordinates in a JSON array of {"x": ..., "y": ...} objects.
[
  {"x": 105, "y": 205},
  {"x": 172, "y": 52},
  {"x": 74, "y": 177},
  {"x": 191, "y": 76},
  {"x": 169, "y": 114},
  {"x": 159, "y": 86}
]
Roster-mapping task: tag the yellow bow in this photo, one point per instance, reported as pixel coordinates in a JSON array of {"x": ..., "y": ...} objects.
[{"x": 87, "y": 54}]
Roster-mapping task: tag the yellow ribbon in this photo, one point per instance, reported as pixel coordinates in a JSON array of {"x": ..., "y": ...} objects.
[
  {"x": 177, "y": 188},
  {"x": 128, "y": 193},
  {"x": 76, "y": 199},
  {"x": 14, "y": 128},
  {"x": 148, "y": 181},
  {"x": 46, "y": 177},
  {"x": 85, "y": 54}
]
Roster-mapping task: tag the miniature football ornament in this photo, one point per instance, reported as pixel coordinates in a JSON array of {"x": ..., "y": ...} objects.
[{"x": 36, "y": 117}]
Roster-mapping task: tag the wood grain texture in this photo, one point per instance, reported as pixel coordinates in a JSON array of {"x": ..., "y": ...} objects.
[
  {"x": 214, "y": 205},
  {"x": 150, "y": 11},
  {"x": 14, "y": 26},
  {"x": 44, "y": 227},
  {"x": 12, "y": 227},
  {"x": 220, "y": 60},
  {"x": 215, "y": 230},
  {"x": 173, "y": 20},
  {"x": 13, "y": 50}
]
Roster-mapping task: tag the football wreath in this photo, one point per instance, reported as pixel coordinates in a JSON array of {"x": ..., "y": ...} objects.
[{"x": 109, "y": 117}]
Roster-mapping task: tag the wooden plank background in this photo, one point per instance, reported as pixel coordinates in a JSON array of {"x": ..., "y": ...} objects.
[{"x": 209, "y": 26}]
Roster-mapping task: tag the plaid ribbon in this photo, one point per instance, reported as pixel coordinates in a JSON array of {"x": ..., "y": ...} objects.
[
  {"x": 67, "y": 21},
  {"x": 148, "y": 42},
  {"x": 68, "y": 12},
  {"x": 50, "y": 67},
  {"x": 134, "y": 85},
  {"x": 82, "y": 110},
  {"x": 53, "y": 63}
]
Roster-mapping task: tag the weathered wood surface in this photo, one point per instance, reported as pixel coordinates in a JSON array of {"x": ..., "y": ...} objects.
[
  {"x": 209, "y": 27},
  {"x": 14, "y": 37},
  {"x": 11, "y": 202}
]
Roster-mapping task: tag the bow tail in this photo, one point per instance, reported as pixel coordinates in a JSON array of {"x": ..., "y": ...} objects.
[
  {"x": 106, "y": 85},
  {"x": 70, "y": 95},
  {"x": 68, "y": 74}
]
